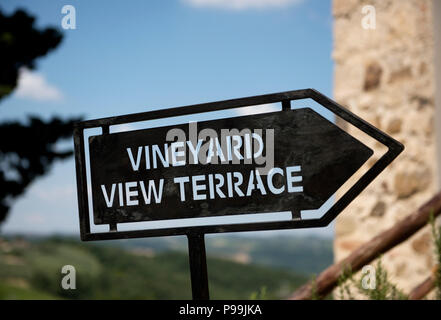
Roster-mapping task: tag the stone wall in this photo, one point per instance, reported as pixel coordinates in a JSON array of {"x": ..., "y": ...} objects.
[{"x": 386, "y": 76}]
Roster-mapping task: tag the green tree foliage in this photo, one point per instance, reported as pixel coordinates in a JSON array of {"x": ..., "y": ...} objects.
[
  {"x": 27, "y": 150},
  {"x": 20, "y": 44}
]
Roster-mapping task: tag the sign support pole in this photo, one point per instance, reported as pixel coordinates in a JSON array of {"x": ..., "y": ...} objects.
[{"x": 198, "y": 266}]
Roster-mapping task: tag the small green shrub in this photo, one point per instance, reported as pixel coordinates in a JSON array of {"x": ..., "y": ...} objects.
[
  {"x": 436, "y": 234},
  {"x": 384, "y": 288}
]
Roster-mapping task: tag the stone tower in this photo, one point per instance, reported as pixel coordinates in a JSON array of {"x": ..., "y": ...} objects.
[{"x": 385, "y": 73}]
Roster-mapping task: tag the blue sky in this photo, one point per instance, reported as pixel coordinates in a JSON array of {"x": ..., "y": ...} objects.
[{"x": 133, "y": 56}]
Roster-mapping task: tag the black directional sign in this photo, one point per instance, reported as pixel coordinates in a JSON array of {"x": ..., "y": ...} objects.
[
  {"x": 290, "y": 160},
  {"x": 140, "y": 175}
]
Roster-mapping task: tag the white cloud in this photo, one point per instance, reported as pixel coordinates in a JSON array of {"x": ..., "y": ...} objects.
[
  {"x": 262, "y": 108},
  {"x": 242, "y": 4},
  {"x": 33, "y": 86}
]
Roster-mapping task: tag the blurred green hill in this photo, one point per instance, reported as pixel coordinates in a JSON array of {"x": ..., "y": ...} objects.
[
  {"x": 301, "y": 254},
  {"x": 31, "y": 269}
]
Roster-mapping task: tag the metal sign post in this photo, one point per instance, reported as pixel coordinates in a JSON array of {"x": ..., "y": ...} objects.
[
  {"x": 198, "y": 266},
  {"x": 290, "y": 160}
]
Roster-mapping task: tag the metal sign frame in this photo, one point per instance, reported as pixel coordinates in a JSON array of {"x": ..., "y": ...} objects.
[
  {"x": 394, "y": 149},
  {"x": 196, "y": 234}
]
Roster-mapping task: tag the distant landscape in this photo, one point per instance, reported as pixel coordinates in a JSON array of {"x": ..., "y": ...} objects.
[
  {"x": 239, "y": 267},
  {"x": 305, "y": 255}
]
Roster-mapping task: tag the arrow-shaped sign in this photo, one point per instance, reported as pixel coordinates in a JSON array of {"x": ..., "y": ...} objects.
[
  {"x": 291, "y": 160},
  {"x": 142, "y": 175}
]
